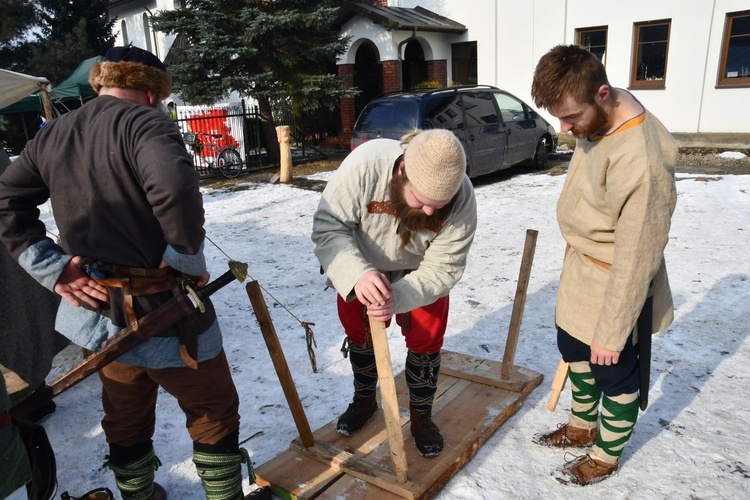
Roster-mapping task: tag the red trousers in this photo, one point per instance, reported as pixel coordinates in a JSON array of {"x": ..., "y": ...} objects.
[
  {"x": 423, "y": 327},
  {"x": 207, "y": 396}
]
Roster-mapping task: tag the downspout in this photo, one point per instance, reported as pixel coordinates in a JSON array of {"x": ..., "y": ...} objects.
[
  {"x": 400, "y": 62},
  {"x": 705, "y": 69},
  {"x": 153, "y": 32}
]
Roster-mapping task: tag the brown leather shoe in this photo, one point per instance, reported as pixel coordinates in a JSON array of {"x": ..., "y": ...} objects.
[
  {"x": 585, "y": 470},
  {"x": 566, "y": 436},
  {"x": 159, "y": 493}
]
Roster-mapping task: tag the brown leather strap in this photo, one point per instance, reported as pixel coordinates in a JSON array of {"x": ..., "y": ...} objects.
[
  {"x": 135, "y": 286},
  {"x": 600, "y": 263},
  {"x": 5, "y": 419}
]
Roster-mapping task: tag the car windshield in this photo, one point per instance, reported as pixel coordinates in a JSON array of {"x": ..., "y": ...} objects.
[{"x": 399, "y": 116}]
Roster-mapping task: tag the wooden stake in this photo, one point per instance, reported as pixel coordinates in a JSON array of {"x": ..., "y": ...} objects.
[
  {"x": 558, "y": 384},
  {"x": 279, "y": 362},
  {"x": 390, "y": 401},
  {"x": 283, "y": 133},
  {"x": 519, "y": 302}
]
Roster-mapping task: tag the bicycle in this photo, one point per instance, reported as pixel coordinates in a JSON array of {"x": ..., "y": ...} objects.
[{"x": 226, "y": 158}]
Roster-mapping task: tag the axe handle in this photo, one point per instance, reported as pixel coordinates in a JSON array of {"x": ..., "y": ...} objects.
[{"x": 558, "y": 384}]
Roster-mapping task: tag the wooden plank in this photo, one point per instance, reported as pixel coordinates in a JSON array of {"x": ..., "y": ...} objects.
[
  {"x": 279, "y": 361},
  {"x": 301, "y": 476},
  {"x": 475, "y": 375},
  {"x": 389, "y": 399},
  {"x": 519, "y": 301}
]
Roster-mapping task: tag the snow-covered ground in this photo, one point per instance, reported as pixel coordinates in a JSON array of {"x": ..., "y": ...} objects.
[{"x": 692, "y": 442}]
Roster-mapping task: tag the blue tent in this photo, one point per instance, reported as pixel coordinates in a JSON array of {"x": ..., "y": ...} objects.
[{"x": 75, "y": 86}]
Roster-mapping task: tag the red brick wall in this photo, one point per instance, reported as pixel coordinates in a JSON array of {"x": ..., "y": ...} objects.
[
  {"x": 391, "y": 76},
  {"x": 438, "y": 71},
  {"x": 347, "y": 103}
]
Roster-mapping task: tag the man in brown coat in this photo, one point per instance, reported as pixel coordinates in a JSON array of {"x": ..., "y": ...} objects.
[{"x": 614, "y": 213}]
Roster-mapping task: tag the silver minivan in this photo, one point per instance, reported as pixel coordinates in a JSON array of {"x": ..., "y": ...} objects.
[{"x": 496, "y": 129}]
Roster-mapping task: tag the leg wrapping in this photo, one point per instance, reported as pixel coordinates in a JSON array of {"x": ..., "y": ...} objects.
[
  {"x": 221, "y": 473},
  {"x": 365, "y": 371},
  {"x": 421, "y": 372},
  {"x": 619, "y": 414},
  {"x": 135, "y": 479},
  {"x": 585, "y": 402}
]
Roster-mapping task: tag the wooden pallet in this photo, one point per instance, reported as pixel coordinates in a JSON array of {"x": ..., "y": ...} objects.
[
  {"x": 472, "y": 401},
  {"x": 474, "y": 397}
]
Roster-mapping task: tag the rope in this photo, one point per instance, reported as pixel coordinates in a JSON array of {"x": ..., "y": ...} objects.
[{"x": 309, "y": 335}]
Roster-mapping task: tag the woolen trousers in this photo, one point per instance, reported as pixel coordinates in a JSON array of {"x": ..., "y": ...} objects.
[{"x": 207, "y": 396}]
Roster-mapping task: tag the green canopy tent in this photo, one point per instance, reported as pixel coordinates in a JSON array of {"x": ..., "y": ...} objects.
[{"x": 76, "y": 86}]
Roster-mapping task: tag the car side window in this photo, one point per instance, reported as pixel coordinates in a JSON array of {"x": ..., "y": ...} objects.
[
  {"x": 480, "y": 109},
  {"x": 511, "y": 109},
  {"x": 443, "y": 112}
]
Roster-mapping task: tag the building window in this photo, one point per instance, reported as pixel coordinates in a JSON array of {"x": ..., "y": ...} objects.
[
  {"x": 594, "y": 40},
  {"x": 734, "y": 69},
  {"x": 650, "y": 48},
  {"x": 464, "y": 63}
]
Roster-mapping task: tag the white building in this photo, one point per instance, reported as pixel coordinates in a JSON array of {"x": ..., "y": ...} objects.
[{"x": 688, "y": 61}]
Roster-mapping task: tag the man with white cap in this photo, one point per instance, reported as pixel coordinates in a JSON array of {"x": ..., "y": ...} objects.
[{"x": 392, "y": 233}]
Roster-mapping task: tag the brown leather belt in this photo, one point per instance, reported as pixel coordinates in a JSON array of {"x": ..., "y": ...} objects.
[{"x": 138, "y": 282}]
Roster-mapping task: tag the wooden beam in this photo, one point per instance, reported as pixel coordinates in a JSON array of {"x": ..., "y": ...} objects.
[
  {"x": 279, "y": 362},
  {"x": 519, "y": 302}
]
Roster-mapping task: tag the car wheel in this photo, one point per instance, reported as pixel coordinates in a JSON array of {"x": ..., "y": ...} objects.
[{"x": 541, "y": 154}]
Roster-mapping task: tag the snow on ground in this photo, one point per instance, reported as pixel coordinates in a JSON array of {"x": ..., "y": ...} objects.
[{"x": 692, "y": 442}]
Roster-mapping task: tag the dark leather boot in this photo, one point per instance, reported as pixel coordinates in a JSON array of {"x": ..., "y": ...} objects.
[
  {"x": 426, "y": 434},
  {"x": 355, "y": 417}
]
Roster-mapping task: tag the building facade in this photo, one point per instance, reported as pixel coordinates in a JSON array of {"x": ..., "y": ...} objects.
[{"x": 688, "y": 61}]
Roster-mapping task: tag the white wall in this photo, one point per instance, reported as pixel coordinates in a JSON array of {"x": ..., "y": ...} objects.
[{"x": 512, "y": 35}]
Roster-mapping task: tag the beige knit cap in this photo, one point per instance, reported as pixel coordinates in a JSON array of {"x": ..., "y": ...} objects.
[{"x": 435, "y": 163}]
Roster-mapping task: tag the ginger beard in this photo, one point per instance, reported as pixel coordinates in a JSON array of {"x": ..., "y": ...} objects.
[
  {"x": 597, "y": 123},
  {"x": 414, "y": 219}
]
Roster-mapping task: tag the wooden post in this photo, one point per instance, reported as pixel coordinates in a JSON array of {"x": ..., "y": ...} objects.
[
  {"x": 519, "y": 302},
  {"x": 389, "y": 398},
  {"x": 279, "y": 362},
  {"x": 46, "y": 102},
  {"x": 284, "y": 134},
  {"x": 558, "y": 384}
]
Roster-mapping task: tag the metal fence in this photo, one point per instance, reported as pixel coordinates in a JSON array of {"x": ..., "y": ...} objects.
[{"x": 208, "y": 130}]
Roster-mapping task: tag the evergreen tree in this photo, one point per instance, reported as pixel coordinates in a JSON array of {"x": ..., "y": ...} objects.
[
  {"x": 271, "y": 50},
  {"x": 71, "y": 31},
  {"x": 18, "y": 18}
]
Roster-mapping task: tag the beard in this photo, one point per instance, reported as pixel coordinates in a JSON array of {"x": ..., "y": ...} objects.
[
  {"x": 597, "y": 123},
  {"x": 414, "y": 219}
]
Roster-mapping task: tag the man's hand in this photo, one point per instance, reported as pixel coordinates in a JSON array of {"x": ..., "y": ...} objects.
[
  {"x": 381, "y": 312},
  {"x": 77, "y": 287},
  {"x": 373, "y": 289},
  {"x": 601, "y": 356}
]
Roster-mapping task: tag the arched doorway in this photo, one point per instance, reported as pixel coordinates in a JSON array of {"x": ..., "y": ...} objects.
[
  {"x": 368, "y": 76},
  {"x": 413, "y": 67}
]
